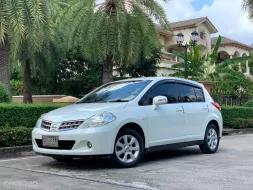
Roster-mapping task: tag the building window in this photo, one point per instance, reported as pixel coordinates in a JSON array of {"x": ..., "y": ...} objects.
[{"x": 202, "y": 34}]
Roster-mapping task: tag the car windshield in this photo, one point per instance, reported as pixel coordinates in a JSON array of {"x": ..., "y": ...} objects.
[{"x": 116, "y": 92}]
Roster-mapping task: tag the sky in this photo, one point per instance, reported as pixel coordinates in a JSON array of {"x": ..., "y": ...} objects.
[{"x": 227, "y": 16}]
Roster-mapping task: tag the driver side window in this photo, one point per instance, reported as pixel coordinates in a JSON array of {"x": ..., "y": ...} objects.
[{"x": 165, "y": 89}]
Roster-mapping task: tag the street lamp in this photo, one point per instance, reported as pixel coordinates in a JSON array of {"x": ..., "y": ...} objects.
[{"x": 180, "y": 41}]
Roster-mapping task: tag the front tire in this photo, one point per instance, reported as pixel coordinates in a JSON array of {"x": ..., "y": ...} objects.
[
  {"x": 211, "y": 140},
  {"x": 128, "y": 148}
]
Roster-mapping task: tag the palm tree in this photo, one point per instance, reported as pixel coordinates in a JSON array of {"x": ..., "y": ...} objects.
[
  {"x": 4, "y": 47},
  {"x": 204, "y": 67},
  {"x": 115, "y": 30},
  {"x": 25, "y": 27},
  {"x": 4, "y": 68},
  {"x": 248, "y": 7},
  {"x": 196, "y": 63}
]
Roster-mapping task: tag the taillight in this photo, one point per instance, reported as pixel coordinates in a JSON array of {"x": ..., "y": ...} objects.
[{"x": 216, "y": 105}]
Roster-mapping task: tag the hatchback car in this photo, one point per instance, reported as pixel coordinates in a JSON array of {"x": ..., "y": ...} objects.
[{"x": 128, "y": 118}]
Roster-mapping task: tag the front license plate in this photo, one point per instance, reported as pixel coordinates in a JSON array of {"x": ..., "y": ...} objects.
[{"x": 50, "y": 141}]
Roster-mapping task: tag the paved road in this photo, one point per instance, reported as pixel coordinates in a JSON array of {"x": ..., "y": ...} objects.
[{"x": 231, "y": 168}]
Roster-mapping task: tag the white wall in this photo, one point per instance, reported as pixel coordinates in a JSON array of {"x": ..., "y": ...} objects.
[
  {"x": 206, "y": 43},
  {"x": 232, "y": 49}
]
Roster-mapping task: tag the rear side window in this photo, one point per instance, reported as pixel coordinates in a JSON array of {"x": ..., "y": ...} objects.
[
  {"x": 187, "y": 93},
  {"x": 199, "y": 94},
  {"x": 165, "y": 89}
]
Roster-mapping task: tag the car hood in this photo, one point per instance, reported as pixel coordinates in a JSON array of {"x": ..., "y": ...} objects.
[{"x": 81, "y": 111}]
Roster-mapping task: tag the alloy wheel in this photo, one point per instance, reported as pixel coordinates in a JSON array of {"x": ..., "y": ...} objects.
[
  {"x": 127, "y": 149},
  {"x": 212, "y": 139}
]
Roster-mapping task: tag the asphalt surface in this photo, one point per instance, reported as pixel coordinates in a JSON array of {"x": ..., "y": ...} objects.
[{"x": 187, "y": 169}]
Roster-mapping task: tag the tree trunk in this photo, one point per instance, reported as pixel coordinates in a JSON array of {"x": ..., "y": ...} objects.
[
  {"x": 108, "y": 69},
  {"x": 27, "y": 83},
  {"x": 4, "y": 65}
]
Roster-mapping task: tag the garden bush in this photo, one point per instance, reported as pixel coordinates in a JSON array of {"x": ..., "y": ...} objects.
[
  {"x": 16, "y": 87},
  {"x": 240, "y": 123},
  {"x": 25, "y": 115},
  {"x": 237, "y": 117},
  {"x": 4, "y": 94},
  {"x": 249, "y": 103},
  {"x": 18, "y": 136}
]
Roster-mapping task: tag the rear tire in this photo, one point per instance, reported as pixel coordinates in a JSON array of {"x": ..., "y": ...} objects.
[
  {"x": 128, "y": 148},
  {"x": 211, "y": 140}
]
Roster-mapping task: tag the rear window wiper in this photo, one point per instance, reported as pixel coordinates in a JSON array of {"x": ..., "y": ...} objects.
[{"x": 119, "y": 100}]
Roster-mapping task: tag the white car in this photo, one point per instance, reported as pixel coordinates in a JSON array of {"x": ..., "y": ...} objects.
[{"x": 127, "y": 118}]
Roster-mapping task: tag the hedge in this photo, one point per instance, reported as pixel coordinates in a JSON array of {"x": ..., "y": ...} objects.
[
  {"x": 25, "y": 115},
  {"x": 18, "y": 136},
  {"x": 237, "y": 117},
  {"x": 240, "y": 123},
  {"x": 248, "y": 103}
]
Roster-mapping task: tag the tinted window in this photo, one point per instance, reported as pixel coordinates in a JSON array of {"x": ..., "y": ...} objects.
[
  {"x": 187, "y": 93},
  {"x": 199, "y": 94},
  {"x": 166, "y": 89},
  {"x": 116, "y": 92}
]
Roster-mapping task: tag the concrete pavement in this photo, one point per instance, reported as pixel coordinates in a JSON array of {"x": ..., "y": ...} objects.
[{"x": 230, "y": 168}]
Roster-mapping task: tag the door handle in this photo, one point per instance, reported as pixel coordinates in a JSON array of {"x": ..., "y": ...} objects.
[
  {"x": 204, "y": 108},
  {"x": 179, "y": 110}
]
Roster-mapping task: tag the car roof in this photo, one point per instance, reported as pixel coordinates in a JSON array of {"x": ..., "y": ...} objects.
[{"x": 156, "y": 79}]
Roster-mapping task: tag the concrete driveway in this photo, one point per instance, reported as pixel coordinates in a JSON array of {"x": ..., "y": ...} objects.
[{"x": 188, "y": 168}]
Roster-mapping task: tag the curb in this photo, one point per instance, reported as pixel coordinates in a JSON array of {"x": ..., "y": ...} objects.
[
  {"x": 229, "y": 132},
  {"x": 14, "y": 152}
]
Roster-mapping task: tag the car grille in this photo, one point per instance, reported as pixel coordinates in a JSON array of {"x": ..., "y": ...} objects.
[
  {"x": 68, "y": 125},
  {"x": 63, "y": 145},
  {"x": 46, "y": 124}
]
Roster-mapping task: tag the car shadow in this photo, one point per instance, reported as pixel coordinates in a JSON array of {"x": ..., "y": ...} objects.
[
  {"x": 105, "y": 163},
  {"x": 171, "y": 154}
]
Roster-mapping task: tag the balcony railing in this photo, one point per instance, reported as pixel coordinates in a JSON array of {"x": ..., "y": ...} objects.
[{"x": 169, "y": 57}]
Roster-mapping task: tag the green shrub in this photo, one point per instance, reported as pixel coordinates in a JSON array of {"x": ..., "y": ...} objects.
[
  {"x": 16, "y": 87},
  {"x": 233, "y": 115},
  {"x": 4, "y": 94},
  {"x": 18, "y": 136},
  {"x": 248, "y": 103},
  {"x": 240, "y": 123},
  {"x": 25, "y": 115}
]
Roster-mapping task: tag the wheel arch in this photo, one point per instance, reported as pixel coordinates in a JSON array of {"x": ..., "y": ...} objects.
[
  {"x": 214, "y": 122},
  {"x": 136, "y": 127}
]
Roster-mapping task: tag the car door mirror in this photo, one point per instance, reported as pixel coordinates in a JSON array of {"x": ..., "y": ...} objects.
[{"x": 159, "y": 100}]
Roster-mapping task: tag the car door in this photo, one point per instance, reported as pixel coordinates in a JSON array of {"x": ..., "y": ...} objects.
[
  {"x": 195, "y": 109},
  {"x": 165, "y": 124}
]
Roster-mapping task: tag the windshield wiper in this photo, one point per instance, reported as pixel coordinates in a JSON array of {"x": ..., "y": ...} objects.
[
  {"x": 119, "y": 100},
  {"x": 85, "y": 102}
]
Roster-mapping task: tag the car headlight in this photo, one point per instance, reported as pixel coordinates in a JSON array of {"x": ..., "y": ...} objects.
[{"x": 100, "y": 120}]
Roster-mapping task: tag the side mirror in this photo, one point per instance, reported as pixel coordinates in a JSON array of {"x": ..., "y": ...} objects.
[{"x": 159, "y": 100}]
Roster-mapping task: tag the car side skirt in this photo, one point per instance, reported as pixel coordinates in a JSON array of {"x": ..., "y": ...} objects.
[{"x": 173, "y": 146}]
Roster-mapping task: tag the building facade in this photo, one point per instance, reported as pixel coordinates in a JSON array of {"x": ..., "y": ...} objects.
[{"x": 229, "y": 48}]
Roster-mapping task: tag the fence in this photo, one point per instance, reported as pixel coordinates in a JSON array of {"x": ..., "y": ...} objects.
[{"x": 229, "y": 100}]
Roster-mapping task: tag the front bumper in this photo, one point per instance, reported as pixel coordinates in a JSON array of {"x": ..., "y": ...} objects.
[{"x": 101, "y": 138}]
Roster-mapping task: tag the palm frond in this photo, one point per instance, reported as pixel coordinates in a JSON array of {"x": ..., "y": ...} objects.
[
  {"x": 178, "y": 65},
  {"x": 231, "y": 62},
  {"x": 110, "y": 29},
  {"x": 178, "y": 54},
  {"x": 214, "y": 55},
  {"x": 3, "y": 21},
  {"x": 248, "y": 7}
]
